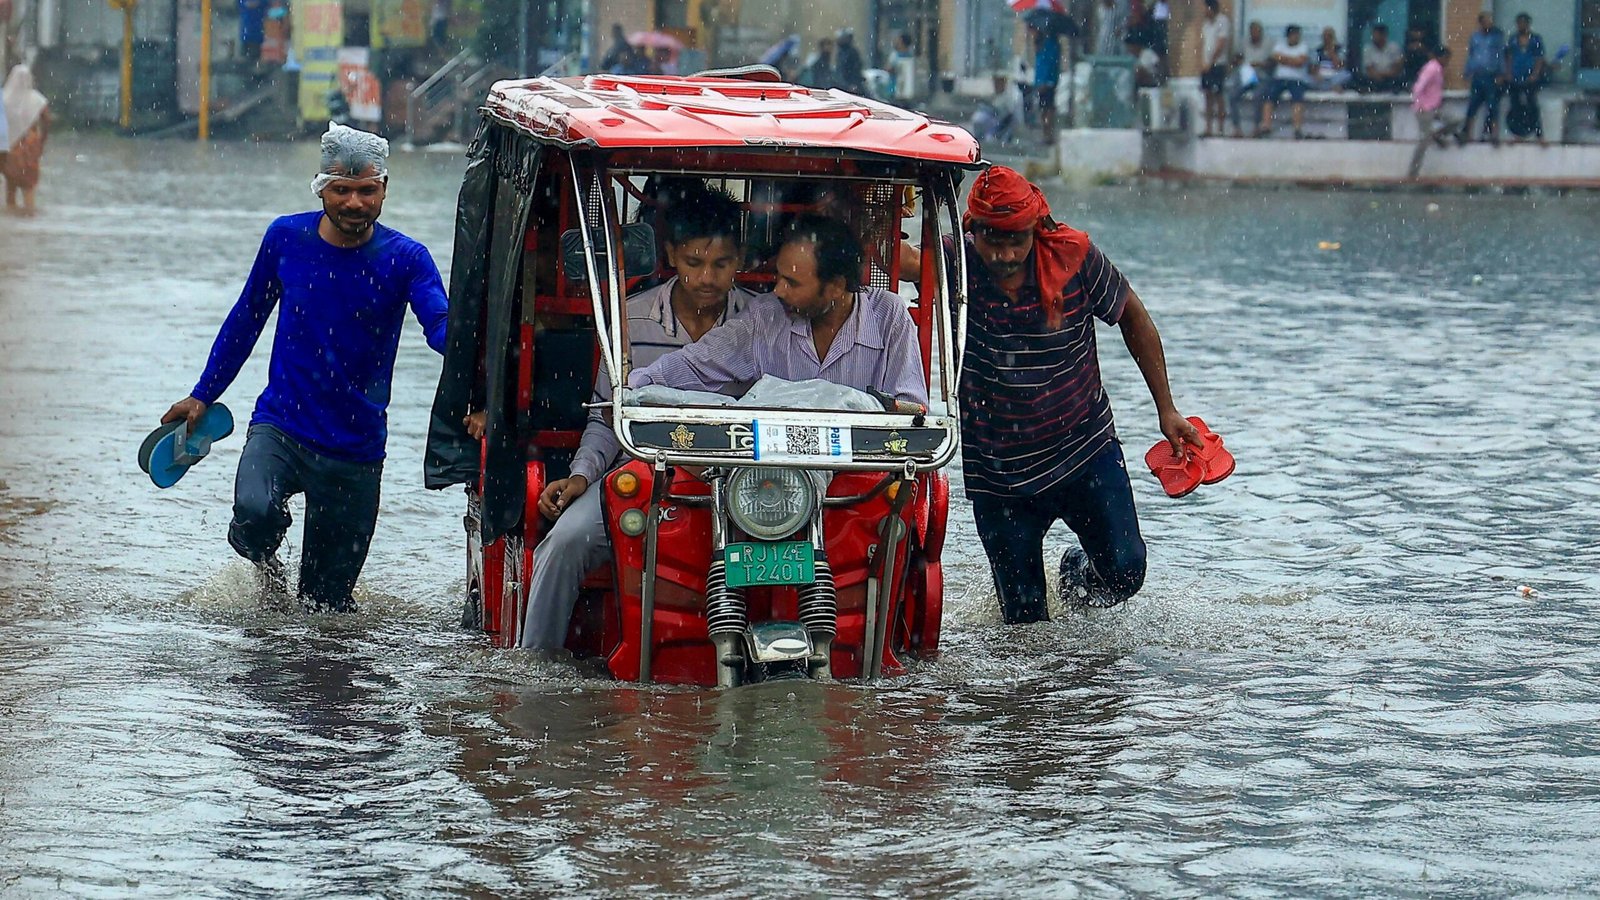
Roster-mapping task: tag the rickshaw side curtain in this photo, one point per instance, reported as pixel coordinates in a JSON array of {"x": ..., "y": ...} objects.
[{"x": 491, "y": 218}]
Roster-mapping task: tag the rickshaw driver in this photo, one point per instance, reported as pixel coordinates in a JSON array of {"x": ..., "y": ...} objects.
[
  {"x": 817, "y": 323},
  {"x": 1037, "y": 438},
  {"x": 341, "y": 283},
  {"x": 704, "y": 244}
]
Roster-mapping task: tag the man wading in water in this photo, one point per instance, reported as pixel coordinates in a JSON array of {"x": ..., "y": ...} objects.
[
  {"x": 342, "y": 283},
  {"x": 1037, "y": 441}
]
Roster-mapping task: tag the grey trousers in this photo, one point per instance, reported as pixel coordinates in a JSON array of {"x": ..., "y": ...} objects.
[
  {"x": 1431, "y": 125},
  {"x": 341, "y": 512},
  {"x": 574, "y": 546}
]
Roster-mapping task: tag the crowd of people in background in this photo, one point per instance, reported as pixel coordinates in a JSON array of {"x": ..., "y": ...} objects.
[{"x": 1244, "y": 86}]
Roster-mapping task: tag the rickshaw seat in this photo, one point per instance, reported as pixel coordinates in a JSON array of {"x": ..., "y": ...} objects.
[{"x": 563, "y": 380}]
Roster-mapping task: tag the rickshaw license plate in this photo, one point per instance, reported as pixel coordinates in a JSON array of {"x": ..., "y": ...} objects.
[{"x": 757, "y": 563}]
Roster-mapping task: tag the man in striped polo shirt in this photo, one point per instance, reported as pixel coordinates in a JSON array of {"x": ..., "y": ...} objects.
[
  {"x": 703, "y": 244},
  {"x": 1038, "y": 443}
]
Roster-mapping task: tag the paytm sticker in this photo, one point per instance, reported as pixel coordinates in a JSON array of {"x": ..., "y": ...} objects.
[{"x": 801, "y": 443}]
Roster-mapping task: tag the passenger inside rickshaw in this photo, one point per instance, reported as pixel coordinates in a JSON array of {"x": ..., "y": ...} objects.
[
  {"x": 702, "y": 241},
  {"x": 819, "y": 323},
  {"x": 871, "y": 212}
]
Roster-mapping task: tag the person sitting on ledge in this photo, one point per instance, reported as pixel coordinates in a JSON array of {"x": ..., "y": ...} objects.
[
  {"x": 1292, "y": 77},
  {"x": 1382, "y": 64}
]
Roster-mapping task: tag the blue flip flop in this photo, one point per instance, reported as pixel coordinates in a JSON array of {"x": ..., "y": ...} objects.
[{"x": 169, "y": 451}]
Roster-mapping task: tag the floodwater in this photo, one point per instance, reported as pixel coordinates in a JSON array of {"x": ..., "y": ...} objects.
[{"x": 1330, "y": 686}]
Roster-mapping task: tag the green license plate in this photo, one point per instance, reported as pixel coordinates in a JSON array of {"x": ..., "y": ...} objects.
[{"x": 779, "y": 562}]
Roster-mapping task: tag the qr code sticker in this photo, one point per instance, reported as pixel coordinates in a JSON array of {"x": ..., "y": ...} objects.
[
  {"x": 805, "y": 441},
  {"x": 799, "y": 443}
]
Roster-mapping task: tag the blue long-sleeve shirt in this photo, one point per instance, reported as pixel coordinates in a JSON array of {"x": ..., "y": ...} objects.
[{"x": 340, "y": 314}]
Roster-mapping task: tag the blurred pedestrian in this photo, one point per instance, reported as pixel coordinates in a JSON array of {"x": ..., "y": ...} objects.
[
  {"x": 1046, "y": 75},
  {"x": 1247, "y": 84},
  {"x": 1216, "y": 41},
  {"x": 903, "y": 65},
  {"x": 28, "y": 125},
  {"x": 818, "y": 72},
  {"x": 619, "y": 53},
  {"x": 1524, "y": 72},
  {"x": 340, "y": 284},
  {"x": 1160, "y": 23},
  {"x": 1418, "y": 50},
  {"x": 1110, "y": 26},
  {"x": 439, "y": 23},
  {"x": 252, "y": 20},
  {"x": 848, "y": 66},
  {"x": 1427, "y": 102},
  {"x": 1486, "y": 51}
]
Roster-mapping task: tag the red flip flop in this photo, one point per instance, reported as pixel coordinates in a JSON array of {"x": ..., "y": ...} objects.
[
  {"x": 1219, "y": 463},
  {"x": 1179, "y": 474}
]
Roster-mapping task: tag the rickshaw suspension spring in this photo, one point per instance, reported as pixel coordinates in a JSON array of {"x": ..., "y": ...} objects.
[
  {"x": 725, "y": 609},
  {"x": 819, "y": 604}
]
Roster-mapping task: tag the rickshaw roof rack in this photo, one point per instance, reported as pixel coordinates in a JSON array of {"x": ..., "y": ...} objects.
[{"x": 669, "y": 112}]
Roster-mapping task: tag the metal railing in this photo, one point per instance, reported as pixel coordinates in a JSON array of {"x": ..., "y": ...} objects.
[
  {"x": 445, "y": 105},
  {"x": 440, "y": 88}
]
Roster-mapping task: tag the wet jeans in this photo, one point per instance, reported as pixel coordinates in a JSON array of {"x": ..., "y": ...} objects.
[
  {"x": 1097, "y": 504},
  {"x": 341, "y": 512},
  {"x": 1485, "y": 96}
]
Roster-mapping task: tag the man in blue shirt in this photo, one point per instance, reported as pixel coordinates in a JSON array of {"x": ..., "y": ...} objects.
[
  {"x": 1524, "y": 72},
  {"x": 1485, "y": 59},
  {"x": 1046, "y": 73},
  {"x": 341, "y": 283}
]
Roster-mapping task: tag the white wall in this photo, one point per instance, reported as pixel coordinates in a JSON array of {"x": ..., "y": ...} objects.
[{"x": 1311, "y": 15}]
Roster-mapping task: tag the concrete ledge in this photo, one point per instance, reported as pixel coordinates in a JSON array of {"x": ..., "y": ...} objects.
[
  {"x": 1383, "y": 161},
  {"x": 1093, "y": 154}
]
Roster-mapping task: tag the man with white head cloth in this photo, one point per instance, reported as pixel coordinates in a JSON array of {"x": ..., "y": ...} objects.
[{"x": 341, "y": 283}]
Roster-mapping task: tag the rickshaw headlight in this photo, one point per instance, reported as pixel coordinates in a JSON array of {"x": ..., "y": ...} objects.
[{"x": 771, "y": 503}]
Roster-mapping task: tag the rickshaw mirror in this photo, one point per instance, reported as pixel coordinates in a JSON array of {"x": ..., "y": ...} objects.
[{"x": 638, "y": 253}]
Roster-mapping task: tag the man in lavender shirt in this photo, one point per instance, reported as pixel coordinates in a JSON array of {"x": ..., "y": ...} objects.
[
  {"x": 817, "y": 323},
  {"x": 703, "y": 245}
]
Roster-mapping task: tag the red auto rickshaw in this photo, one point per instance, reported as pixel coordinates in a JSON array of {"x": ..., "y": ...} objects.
[{"x": 840, "y": 574}]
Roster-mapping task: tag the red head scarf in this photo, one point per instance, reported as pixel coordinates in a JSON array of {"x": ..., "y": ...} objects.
[{"x": 1003, "y": 200}]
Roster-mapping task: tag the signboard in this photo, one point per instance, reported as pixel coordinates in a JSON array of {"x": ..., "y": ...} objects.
[
  {"x": 318, "y": 35},
  {"x": 361, "y": 88},
  {"x": 399, "y": 23}
]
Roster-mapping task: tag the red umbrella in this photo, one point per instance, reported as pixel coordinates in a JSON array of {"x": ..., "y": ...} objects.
[
  {"x": 1022, "y": 6},
  {"x": 655, "y": 39}
]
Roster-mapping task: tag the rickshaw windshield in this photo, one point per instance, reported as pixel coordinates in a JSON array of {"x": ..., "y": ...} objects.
[{"x": 901, "y": 221}]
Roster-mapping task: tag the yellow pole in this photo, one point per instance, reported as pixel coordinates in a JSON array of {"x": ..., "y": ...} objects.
[
  {"x": 127, "y": 66},
  {"x": 205, "y": 70}
]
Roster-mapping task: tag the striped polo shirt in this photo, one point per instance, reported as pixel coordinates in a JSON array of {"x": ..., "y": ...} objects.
[
  {"x": 653, "y": 332},
  {"x": 1033, "y": 409}
]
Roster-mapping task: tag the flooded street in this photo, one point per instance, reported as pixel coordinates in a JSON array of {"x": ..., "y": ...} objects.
[{"x": 1330, "y": 685}]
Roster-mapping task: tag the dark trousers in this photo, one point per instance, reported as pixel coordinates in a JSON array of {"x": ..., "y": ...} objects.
[
  {"x": 341, "y": 512},
  {"x": 1486, "y": 96},
  {"x": 1522, "y": 109},
  {"x": 1097, "y": 504}
]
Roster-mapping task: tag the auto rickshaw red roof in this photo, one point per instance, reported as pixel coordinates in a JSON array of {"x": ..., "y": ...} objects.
[
  {"x": 616, "y": 111},
  {"x": 553, "y": 230}
]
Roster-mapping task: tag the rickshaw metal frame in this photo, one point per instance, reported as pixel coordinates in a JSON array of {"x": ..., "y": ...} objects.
[
  {"x": 633, "y": 124},
  {"x": 609, "y": 306}
]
